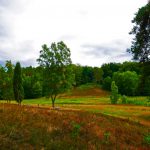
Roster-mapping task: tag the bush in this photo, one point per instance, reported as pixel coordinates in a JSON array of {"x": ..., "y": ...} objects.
[
  {"x": 124, "y": 99},
  {"x": 147, "y": 139},
  {"x": 114, "y": 93},
  {"x": 76, "y": 130}
]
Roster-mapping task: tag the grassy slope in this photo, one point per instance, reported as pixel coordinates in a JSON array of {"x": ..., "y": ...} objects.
[{"x": 35, "y": 128}]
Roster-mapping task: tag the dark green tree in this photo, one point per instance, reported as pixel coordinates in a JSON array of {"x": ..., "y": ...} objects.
[
  {"x": 2, "y": 81},
  {"x": 17, "y": 84},
  {"x": 87, "y": 75},
  {"x": 140, "y": 47},
  {"x": 109, "y": 69},
  {"x": 130, "y": 66},
  {"x": 98, "y": 74},
  {"x": 37, "y": 90},
  {"x": 77, "y": 69},
  {"x": 32, "y": 82},
  {"x": 6, "y": 86},
  {"x": 127, "y": 82},
  {"x": 58, "y": 73},
  {"x": 107, "y": 83},
  {"x": 9, "y": 95}
]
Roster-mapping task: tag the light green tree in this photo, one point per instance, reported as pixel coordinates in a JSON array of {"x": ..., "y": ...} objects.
[
  {"x": 114, "y": 93},
  {"x": 58, "y": 73}
]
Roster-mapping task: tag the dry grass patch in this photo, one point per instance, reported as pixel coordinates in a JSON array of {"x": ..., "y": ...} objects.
[{"x": 36, "y": 128}]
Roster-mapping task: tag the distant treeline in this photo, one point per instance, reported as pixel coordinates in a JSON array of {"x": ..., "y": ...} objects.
[{"x": 132, "y": 78}]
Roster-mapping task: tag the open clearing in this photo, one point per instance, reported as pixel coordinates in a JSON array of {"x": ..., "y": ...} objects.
[{"x": 84, "y": 121}]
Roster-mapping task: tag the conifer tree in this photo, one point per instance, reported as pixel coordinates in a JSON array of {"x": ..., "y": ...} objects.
[{"x": 17, "y": 84}]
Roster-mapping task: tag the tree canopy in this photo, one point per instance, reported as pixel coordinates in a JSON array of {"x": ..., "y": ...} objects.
[
  {"x": 58, "y": 74},
  {"x": 140, "y": 47}
]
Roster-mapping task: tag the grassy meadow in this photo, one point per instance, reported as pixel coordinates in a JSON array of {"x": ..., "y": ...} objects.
[{"x": 85, "y": 119}]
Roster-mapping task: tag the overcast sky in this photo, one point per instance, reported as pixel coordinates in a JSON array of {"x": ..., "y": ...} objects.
[{"x": 96, "y": 31}]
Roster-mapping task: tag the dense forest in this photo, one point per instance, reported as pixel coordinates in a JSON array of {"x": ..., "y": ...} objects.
[{"x": 128, "y": 76}]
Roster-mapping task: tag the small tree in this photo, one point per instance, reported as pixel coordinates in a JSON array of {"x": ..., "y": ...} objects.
[
  {"x": 58, "y": 73},
  {"x": 114, "y": 93},
  {"x": 17, "y": 84}
]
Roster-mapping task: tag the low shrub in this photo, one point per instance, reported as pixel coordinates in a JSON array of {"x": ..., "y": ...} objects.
[{"x": 124, "y": 99}]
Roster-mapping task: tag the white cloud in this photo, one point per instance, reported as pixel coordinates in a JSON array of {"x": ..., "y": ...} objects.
[{"x": 27, "y": 24}]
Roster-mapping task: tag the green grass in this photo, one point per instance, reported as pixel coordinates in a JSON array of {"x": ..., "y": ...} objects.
[
  {"x": 142, "y": 101},
  {"x": 89, "y": 101}
]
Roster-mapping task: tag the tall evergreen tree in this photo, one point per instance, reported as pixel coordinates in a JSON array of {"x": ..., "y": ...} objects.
[{"x": 17, "y": 84}]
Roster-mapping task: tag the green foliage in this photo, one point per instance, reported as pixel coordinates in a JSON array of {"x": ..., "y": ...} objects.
[
  {"x": 144, "y": 84},
  {"x": 147, "y": 86},
  {"x": 130, "y": 66},
  {"x": 109, "y": 69},
  {"x": 6, "y": 86},
  {"x": 136, "y": 101},
  {"x": 32, "y": 82},
  {"x": 140, "y": 45},
  {"x": 127, "y": 82},
  {"x": 106, "y": 139},
  {"x": 77, "y": 70},
  {"x": 147, "y": 139},
  {"x": 27, "y": 85},
  {"x": 98, "y": 74},
  {"x": 87, "y": 75},
  {"x": 37, "y": 90},
  {"x": 58, "y": 73},
  {"x": 107, "y": 83},
  {"x": 76, "y": 130},
  {"x": 148, "y": 98},
  {"x": 124, "y": 99},
  {"x": 17, "y": 83},
  {"x": 114, "y": 93}
]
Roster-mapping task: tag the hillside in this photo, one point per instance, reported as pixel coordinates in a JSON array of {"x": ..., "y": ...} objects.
[{"x": 86, "y": 90}]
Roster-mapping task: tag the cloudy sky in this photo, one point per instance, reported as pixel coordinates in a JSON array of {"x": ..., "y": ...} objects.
[{"x": 96, "y": 31}]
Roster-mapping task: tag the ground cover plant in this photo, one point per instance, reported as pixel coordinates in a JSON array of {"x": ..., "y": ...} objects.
[{"x": 38, "y": 128}]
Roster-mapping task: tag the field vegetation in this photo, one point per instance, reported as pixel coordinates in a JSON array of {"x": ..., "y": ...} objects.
[
  {"x": 60, "y": 105},
  {"x": 38, "y": 128}
]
